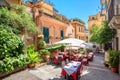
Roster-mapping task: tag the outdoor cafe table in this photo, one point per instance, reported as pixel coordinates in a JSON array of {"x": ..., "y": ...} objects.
[
  {"x": 73, "y": 69},
  {"x": 90, "y": 56},
  {"x": 57, "y": 57}
]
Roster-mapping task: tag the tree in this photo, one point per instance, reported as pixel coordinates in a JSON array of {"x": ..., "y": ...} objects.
[
  {"x": 102, "y": 35},
  {"x": 79, "y": 20},
  {"x": 106, "y": 33},
  {"x": 94, "y": 33}
]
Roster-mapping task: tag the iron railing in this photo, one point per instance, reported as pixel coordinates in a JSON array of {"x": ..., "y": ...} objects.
[{"x": 113, "y": 10}]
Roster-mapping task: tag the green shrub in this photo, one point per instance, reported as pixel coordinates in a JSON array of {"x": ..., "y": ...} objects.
[
  {"x": 10, "y": 63},
  {"x": 10, "y": 44},
  {"x": 46, "y": 52},
  {"x": 41, "y": 44},
  {"x": 11, "y": 51},
  {"x": 32, "y": 55},
  {"x": 89, "y": 50},
  {"x": 114, "y": 58},
  {"x": 17, "y": 19}
]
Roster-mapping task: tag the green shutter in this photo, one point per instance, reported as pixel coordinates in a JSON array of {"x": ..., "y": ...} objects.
[
  {"x": 46, "y": 34},
  {"x": 62, "y": 34}
]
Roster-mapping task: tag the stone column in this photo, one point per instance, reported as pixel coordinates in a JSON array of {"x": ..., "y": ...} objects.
[{"x": 106, "y": 56}]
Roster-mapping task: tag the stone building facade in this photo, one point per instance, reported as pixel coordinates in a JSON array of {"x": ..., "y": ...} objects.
[
  {"x": 52, "y": 28},
  {"x": 80, "y": 30},
  {"x": 95, "y": 20},
  {"x": 113, "y": 18},
  {"x": 70, "y": 32}
]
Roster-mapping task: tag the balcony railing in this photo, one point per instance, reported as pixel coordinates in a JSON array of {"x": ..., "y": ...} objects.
[
  {"x": 111, "y": 11},
  {"x": 118, "y": 10},
  {"x": 114, "y": 10}
]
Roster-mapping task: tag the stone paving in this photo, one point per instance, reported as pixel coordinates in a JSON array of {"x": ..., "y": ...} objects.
[
  {"x": 97, "y": 71},
  {"x": 23, "y": 75},
  {"x": 48, "y": 72},
  {"x": 94, "y": 71}
]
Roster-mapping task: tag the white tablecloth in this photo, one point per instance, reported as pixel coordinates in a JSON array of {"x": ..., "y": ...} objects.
[
  {"x": 71, "y": 67},
  {"x": 90, "y": 54}
]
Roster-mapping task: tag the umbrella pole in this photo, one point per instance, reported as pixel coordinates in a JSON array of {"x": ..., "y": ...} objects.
[{"x": 70, "y": 52}]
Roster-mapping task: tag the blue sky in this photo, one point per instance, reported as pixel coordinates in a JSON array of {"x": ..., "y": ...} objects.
[{"x": 77, "y": 8}]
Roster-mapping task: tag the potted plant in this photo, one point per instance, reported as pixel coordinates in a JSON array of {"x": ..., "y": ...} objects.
[
  {"x": 32, "y": 56},
  {"x": 44, "y": 54},
  {"x": 50, "y": 36},
  {"x": 57, "y": 37},
  {"x": 41, "y": 44},
  {"x": 114, "y": 59},
  {"x": 40, "y": 36},
  {"x": 66, "y": 37}
]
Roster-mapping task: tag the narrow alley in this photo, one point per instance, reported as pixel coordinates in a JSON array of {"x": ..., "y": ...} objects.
[
  {"x": 94, "y": 71},
  {"x": 97, "y": 71}
]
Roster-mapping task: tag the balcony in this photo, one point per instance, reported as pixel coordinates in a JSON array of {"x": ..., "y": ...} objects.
[
  {"x": 114, "y": 15},
  {"x": 111, "y": 11}
]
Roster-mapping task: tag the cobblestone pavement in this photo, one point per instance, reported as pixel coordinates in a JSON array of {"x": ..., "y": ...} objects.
[
  {"x": 97, "y": 71},
  {"x": 94, "y": 71},
  {"x": 23, "y": 75},
  {"x": 48, "y": 72}
]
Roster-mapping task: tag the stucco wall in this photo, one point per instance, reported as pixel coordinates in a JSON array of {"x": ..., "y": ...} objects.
[
  {"x": 70, "y": 31},
  {"x": 96, "y": 21},
  {"x": 80, "y": 31},
  {"x": 54, "y": 26}
]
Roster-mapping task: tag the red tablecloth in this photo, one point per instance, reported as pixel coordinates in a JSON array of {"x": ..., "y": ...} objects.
[
  {"x": 85, "y": 61},
  {"x": 56, "y": 58},
  {"x": 72, "y": 69},
  {"x": 90, "y": 56}
]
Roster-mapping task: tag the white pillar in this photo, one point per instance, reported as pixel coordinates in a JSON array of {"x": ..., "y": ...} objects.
[{"x": 106, "y": 56}]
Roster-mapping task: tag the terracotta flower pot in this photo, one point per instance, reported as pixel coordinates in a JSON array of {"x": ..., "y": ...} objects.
[
  {"x": 31, "y": 65},
  {"x": 40, "y": 36},
  {"x": 114, "y": 69}
]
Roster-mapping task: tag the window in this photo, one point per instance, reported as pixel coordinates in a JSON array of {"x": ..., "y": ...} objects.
[
  {"x": 46, "y": 34},
  {"x": 72, "y": 31},
  {"x": 82, "y": 29},
  {"x": 61, "y": 34},
  {"x": 79, "y": 29},
  {"x": 93, "y": 18}
]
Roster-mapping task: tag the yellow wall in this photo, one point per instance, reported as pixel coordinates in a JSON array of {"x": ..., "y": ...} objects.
[
  {"x": 80, "y": 32},
  {"x": 96, "y": 21},
  {"x": 46, "y": 8}
]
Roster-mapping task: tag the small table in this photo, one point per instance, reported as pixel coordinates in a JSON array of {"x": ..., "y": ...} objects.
[
  {"x": 73, "y": 69},
  {"x": 58, "y": 59},
  {"x": 85, "y": 61},
  {"x": 90, "y": 56}
]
